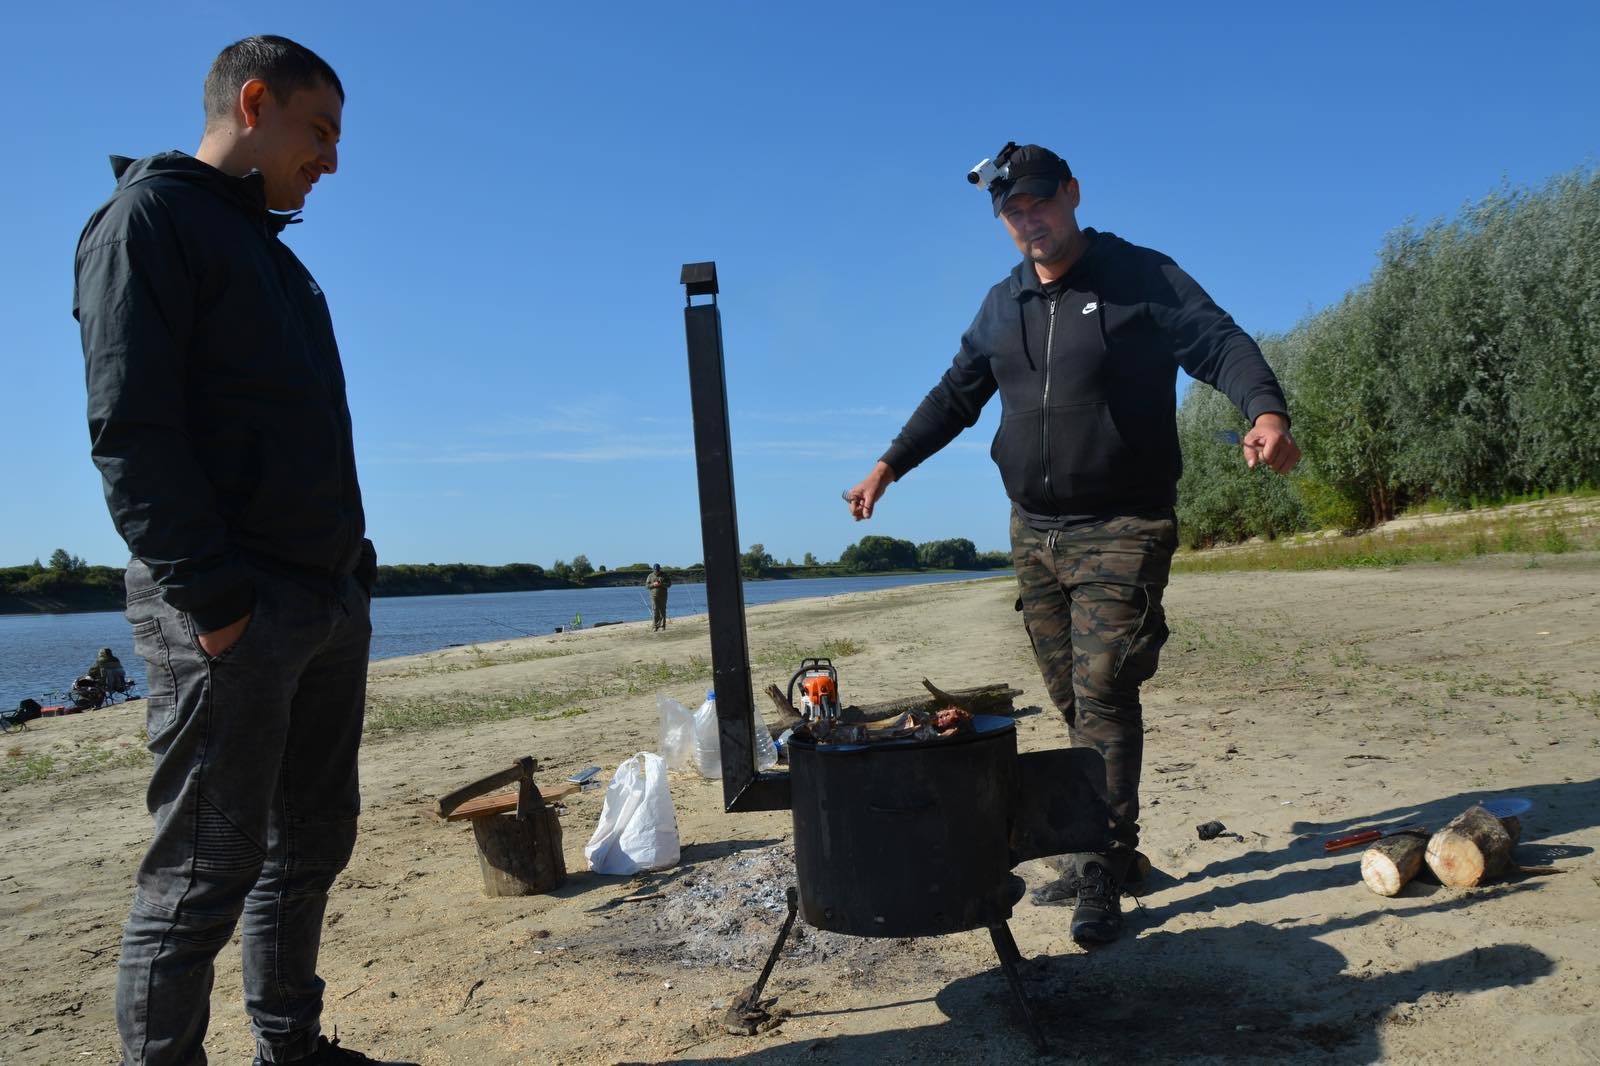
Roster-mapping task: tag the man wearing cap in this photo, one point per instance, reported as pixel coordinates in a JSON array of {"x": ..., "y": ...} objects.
[
  {"x": 107, "y": 669},
  {"x": 658, "y": 583},
  {"x": 1083, "y": 342}
]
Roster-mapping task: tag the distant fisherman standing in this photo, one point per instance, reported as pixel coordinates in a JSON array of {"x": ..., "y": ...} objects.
[
  {"x": 219, "y": 423},
  {"x": 1083, "y": 342},
  {"x": 658, "y": 583}
]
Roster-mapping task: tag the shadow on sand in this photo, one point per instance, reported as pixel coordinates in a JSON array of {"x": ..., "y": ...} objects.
[
  {"x": 1174, "y": 997},
  {"x": 1194, "y": 994}
]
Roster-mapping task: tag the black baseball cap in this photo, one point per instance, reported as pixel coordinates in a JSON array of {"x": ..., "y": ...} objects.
[{"x": 1033, "y": 170}]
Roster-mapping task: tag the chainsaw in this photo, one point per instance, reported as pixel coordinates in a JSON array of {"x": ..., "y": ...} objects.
[{"x": 819, "y": 690}]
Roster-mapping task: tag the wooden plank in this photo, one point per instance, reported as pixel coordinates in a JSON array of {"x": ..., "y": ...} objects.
[{"x": 505, "y": 801}]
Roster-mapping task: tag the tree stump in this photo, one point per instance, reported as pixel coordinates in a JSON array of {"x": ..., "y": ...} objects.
[
  {"x": 1473, "y": 847},
  {"x": 520, "y": 857},
  {"x": 1389, "y": 864}
]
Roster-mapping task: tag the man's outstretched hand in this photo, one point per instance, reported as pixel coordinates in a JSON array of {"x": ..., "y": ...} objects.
[
  {"x": 865, "y": 495},
  {"x": 1270, "y": 442}
]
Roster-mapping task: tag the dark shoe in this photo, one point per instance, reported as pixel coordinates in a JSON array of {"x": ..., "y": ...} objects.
[
  {"x": 1097, "y": 917},
  {"x": 329, "y": 1053}
]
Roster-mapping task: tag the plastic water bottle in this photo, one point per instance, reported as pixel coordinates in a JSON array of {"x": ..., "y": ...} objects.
[
  {"x": 766, "y": 751},
  {"x": 708, "y": 739}
]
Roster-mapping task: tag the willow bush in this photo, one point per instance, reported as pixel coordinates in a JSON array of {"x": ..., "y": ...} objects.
[{"x": 1465, "y": 370}]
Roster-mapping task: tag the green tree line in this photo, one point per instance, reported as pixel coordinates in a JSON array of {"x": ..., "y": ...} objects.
[
  {"x": 1466, "y": 370},
  {"x": 67, "y": 583}
]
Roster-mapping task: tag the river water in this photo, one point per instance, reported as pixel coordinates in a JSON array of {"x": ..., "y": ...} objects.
[{"x": 40, "y": 654}]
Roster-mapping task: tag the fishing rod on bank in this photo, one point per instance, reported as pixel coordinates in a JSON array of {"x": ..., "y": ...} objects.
[{"x": 508, "y": 625}]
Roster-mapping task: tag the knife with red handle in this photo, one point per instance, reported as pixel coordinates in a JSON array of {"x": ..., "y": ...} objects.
[
  {"x": 1502, "y": 807},
  {"x": 1367, "y": 836}
]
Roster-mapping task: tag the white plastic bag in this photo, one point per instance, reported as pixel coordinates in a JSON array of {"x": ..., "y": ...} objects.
[
  {"x": 638, "y": 827},
  {"x": 708, "y": 739},
  {"x": 676, "y": 734}
]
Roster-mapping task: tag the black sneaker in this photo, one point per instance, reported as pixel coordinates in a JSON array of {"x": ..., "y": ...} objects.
[
  {"x": 329, "y": 1053},
  {"x": 1097, "y": 917}
]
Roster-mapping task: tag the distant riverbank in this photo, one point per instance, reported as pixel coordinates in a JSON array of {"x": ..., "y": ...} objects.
[{"x": 40, "y": 590}]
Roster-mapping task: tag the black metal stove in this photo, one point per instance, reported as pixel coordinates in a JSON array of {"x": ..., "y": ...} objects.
[{"x": 897, "y": 839}]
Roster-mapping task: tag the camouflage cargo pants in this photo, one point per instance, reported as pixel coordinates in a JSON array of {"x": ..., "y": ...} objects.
[{"x": 1091, "y": 599}]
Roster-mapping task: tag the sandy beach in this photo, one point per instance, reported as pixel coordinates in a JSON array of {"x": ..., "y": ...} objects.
[{"x": 1289, "y": 707}]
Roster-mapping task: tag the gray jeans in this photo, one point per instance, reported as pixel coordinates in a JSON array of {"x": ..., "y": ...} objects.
[{"x": 255, "y": 799}]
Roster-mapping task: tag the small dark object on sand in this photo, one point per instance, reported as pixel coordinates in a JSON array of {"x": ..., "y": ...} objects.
[{"x": 1210, "y": 830}]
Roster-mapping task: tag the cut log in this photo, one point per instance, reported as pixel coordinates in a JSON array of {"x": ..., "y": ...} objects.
[
  {"x": 994, "y": 698},
  {"x": 520, "y": 856},
  {"x": 1389, "y": 864},
  {"x": 1472, "y": 848}
]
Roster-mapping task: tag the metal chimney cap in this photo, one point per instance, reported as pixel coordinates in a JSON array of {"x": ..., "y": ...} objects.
[{"x": 699, "y": 278}]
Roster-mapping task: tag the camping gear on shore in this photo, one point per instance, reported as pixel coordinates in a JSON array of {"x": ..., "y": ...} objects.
[
  {"x": 902, "y": 838},
  {"x": 86, "y": 693},
  {"x": 27, "y": 711},
  {"x": 518, "y": 834}
]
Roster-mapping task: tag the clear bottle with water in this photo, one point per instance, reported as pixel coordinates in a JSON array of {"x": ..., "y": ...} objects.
[
  {"x": 766, "y": 750},
  {"x": 708, "y": 741}
]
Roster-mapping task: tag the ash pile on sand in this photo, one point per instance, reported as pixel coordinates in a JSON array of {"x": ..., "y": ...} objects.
[{"x": 729, "y": 911}]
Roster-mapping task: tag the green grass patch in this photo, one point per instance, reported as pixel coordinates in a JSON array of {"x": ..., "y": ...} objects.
[
  {"x": 480, "y": 659},
  {"x": 19, "y": 769},
  {"x": 1444, "y": 543},
  {"x": 1554, "y": 541},
  {"x": 788, "y": 656},
  {"x": 648, "y": 677},
  {"x": 391, "y": 714},
  {"x": 399, "y": 714}
]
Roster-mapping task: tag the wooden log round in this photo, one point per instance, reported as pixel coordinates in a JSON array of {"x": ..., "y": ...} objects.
[
  {"x": 520, "y": 857},
  {"x": 1473, "y": 847},
  {"x": 1388, "y": 865}
]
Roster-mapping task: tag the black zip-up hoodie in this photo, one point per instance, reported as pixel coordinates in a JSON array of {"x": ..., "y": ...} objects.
[
  {"x": 1087, "y": 376},
  {"x": 217, "y": 410}
]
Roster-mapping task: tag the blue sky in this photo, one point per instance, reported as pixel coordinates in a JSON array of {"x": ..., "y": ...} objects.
[{"x": 519, "y": 184}]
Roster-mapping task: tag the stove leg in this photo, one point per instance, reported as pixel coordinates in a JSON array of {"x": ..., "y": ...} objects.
[
  {"x": 749, "y": 1015},
  {"x": 783, "y": 934},
  {"x": 1005, "y": 946}
]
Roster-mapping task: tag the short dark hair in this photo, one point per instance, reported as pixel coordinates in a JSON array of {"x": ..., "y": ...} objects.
[{"x": 285, "y": 66}]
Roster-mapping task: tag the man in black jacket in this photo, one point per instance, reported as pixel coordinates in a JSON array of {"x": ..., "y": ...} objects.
[
  {"x": 1083, "y": 342},
  {"x": 218, "y": 420}
]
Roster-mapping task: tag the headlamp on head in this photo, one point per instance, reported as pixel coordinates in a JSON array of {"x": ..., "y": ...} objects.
[
  {"x": 990, "y": 171},
  {"x": 1020, "y": 169}
]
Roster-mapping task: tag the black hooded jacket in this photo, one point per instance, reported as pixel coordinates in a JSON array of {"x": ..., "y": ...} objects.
[
  {"x": 1087, "y": 377},
  {"x": 217, "y": 410}
]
